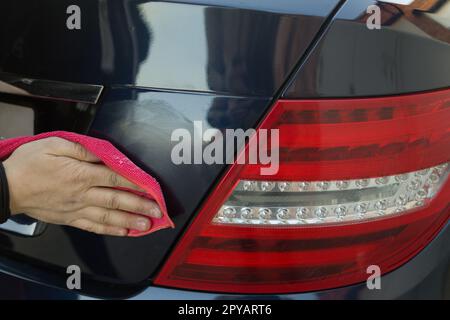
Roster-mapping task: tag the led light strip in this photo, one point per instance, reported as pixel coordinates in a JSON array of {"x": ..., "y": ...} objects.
[{"x": 321, "y": 202}]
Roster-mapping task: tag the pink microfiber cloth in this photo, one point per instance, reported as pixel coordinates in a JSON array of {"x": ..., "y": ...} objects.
[{"x": 112, "y": 158}]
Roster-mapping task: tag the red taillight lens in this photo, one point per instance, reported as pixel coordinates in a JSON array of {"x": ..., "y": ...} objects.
[{"x": 361, "y": 182}]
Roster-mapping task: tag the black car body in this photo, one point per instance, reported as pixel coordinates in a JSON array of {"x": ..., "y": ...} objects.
[{"x": 162, "y": 65}]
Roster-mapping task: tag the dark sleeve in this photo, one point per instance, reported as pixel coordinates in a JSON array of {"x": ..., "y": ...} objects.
[{"x": 4, "y": 196}]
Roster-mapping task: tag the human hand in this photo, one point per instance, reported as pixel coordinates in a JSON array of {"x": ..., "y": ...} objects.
[{"x": 60, "y": 182}]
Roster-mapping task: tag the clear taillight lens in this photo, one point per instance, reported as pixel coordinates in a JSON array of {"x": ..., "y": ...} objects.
[
  {"x": 361, "y": 182},
  {"x": 287, "y": 203}
]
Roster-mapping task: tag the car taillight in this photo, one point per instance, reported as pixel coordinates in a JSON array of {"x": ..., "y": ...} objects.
[{"x": 361, "y": 182}]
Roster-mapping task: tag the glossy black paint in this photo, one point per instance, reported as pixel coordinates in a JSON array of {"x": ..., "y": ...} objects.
[
  {"x": 223, "y": 63},
  {"x": 239, "y": 50},
  {"x": 215, "y": 64},
  {"x": 410, "y": 53},
  {"x": 140, "y": 123}
]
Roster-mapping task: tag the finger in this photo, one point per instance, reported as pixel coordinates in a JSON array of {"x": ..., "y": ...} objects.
[
  {"x": 63, "y": 147},
  {"x": 94, "y": 227},
  {"x": 105, "y": 177},
  {"x": 117, "y": 218},
  {"x": 122, "y": 200}
]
